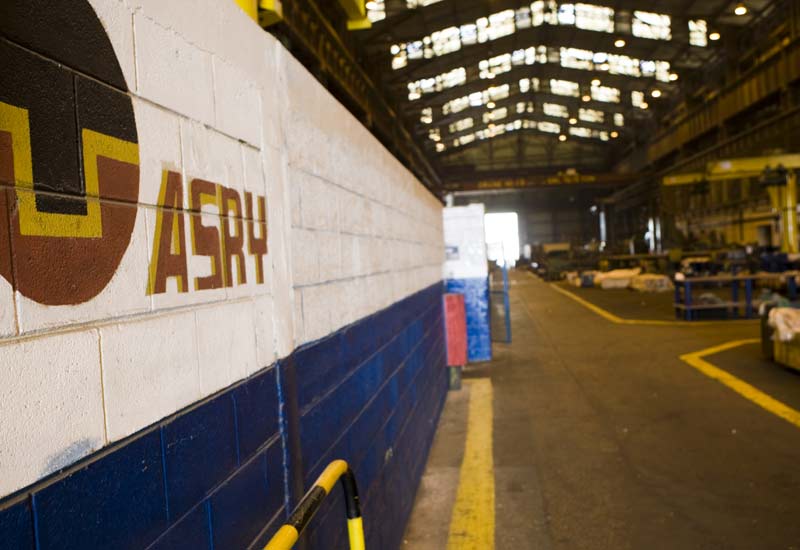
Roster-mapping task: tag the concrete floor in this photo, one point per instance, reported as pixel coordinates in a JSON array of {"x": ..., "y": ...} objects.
[{"x": 604, "y": 438}]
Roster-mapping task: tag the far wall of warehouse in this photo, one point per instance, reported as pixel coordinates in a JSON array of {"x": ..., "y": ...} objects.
[{"x": 545, "y": 215}]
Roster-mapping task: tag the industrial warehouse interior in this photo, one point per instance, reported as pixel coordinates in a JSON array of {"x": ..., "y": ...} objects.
[{"x": 399, "y": 274}]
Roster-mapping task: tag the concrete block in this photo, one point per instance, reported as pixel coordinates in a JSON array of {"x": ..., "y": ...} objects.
[
  {"x": 8, "y": 321},
  {"x": 329, "y": 255},
  {"x": 159, "y": 147},
  {"x": 274, "y": 93},
  {"x": 117, "y": 20},
  {"x": 237, "y": 103},
  {"x": 354, "y": 255},
  {"x": 124, "y": 294},
  {"x": 212, "y": 156},
  {"x": 257, "y": 164},
  {"x": 226, "y": 343},
  {"x": 150, "y": 370},
  {"x": 318, "y": 200},
  {"x": 265, "y": 331},
  {"x": 51, "y": 403},
  {"x": 305, "y": 257},
  {"x": 355, "y": 213},
  {"x": 279, "y": 252},
  {"x": 297, "y": 303},
  {"x": 295, "y": 198},
  {"x": 168, "y": 67},
  {"x": 317, "y": 313}
]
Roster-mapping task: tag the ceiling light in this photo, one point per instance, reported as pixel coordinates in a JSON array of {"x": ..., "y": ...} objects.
[
  {"x": 673, "y": 77},
  {"x": 586, "y": 98},
  {"x": 490, "y": 104},
  {"x": 656, "y": 93},
  {"x": 596, "y": 82},
  {"x": 614, "y": 134},
  {"x": 740, "y": 9},
  {"x": 573, "y": 120},
  {"x": 644, "y": 105},
  {"x": 619, "y": 43},
  {"x": 714, "y": 36},
  {"x": 562, "y": 137}
]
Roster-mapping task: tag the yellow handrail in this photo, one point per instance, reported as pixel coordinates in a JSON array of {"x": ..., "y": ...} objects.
[{"x": 288, "y": 534}]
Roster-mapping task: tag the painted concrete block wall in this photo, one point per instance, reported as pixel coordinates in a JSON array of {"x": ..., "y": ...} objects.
[{"x": 214, "y": 209}]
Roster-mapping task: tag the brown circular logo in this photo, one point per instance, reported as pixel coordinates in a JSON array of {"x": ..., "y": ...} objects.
[{"x": 69, "y": 158}]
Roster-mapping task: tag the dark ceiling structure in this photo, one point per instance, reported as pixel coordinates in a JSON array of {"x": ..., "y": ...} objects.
[{"x": 465, "y": 91}]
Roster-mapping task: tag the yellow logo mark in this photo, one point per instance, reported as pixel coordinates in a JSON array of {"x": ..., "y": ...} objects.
[{"x": 32, "y": 222}]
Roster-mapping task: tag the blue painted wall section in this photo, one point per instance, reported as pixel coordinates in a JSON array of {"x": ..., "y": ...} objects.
[
  {"x": 223, "y": 473},
  {"x": 476, "y": 304}
]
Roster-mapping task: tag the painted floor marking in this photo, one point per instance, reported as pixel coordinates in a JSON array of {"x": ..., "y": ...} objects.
[
  {"x": 472, "y": 522},
  {"x": 645, "y": 322},
  {"x": 748, "y": 391}
]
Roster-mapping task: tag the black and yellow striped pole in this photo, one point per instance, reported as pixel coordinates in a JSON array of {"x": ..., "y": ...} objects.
[{"x": 288, "y": 534}]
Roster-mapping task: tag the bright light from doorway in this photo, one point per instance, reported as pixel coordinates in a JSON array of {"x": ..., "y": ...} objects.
[{"x": 502, "y": 237}]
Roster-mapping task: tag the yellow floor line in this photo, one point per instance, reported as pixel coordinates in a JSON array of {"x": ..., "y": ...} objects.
[
  {"x": 644, "y": 322},
  {"x": 749, "y": 392},
  {"x": 472, "y": 523}
]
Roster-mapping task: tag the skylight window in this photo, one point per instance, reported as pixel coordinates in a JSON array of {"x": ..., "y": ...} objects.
[
  {"x": 412, "y": 4},
  {"x": 434, "y": 134},
  {"x": 426, "y": 115},
  {"x": 622, "y": 64},
  {"x": 446, "y": 41},
  {"x": 476, "y": 99},
  {"x": 463, "y": 140},
  {"x": 500, "y": 24},
  {"x": 461, "y": 125},
  {"x": 565, "y": 87},
  {"x": 555, "y": 110},
  {"x": 637, "y": 99},
  {"x": 376, "y": 10},
  {"x": 524, "y": 107},
  {"x": 444, "y": 81},
  {"x": 619, "y": 119},
  {"x": 523, "y": 18},
  {"x": 698, "y": 33},
  {"x": 654, "y": 26},
  {"x": 591, "y": 115},
  {"x": 455, "y": 105},
  {"x": 594, "y": 18},
  {"x": 588, "y": 133},
  {"x": 605, "y": 94},
  {"x": 549, "y": 127},
  {"x": 499, "y": 64},
  {"x": 495, "y": 115},
  {"x": 566, "y": 14},
  {"x": 575, "y": 58}
]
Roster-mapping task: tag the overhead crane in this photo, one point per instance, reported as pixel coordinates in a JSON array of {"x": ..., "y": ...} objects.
[{"x": 778, "y": 173}]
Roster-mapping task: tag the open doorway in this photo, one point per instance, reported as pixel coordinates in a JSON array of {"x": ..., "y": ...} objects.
[{"x": 502, "y": 237}]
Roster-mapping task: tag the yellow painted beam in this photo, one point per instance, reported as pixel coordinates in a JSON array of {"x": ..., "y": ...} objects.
[
  {"x": 472, "y": 522},
  {"x": 250, "y": 7},
  {"x": 359, "y": 24},
  {"x": 271, "y": 12},
  {"x": 749, "y": 166},
  {"x": 355, "y": 9},
  {"x": 683, "y": 179},
  {"x": 748, "y": 391}
]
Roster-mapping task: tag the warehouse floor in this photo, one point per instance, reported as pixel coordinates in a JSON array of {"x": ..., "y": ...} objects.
[{"x": 604, "y": 437}]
